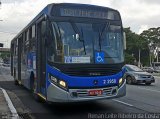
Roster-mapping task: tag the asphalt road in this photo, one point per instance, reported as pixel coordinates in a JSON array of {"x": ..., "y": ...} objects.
[{"x": 140, "y": 99}]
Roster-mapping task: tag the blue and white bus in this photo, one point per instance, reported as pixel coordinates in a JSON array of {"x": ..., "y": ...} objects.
[{"x": 71, "y": 52}]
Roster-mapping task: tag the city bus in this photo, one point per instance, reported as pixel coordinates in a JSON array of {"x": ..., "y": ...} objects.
[{"x": 71, "y": 52}]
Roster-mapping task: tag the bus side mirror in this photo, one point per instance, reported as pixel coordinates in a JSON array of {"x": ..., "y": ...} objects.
[{"x": 124, "y": 41}]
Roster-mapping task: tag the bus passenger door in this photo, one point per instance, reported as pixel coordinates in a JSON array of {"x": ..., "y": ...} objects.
[
  {"x": 41, "y": 57},
  {"x": 12, "y": 54},
  {"x": 19, "y": 58}
]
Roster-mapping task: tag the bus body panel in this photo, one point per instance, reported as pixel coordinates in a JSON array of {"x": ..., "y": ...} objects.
[
  {"x": 56, "y": 94},
  {"x": 82, "y": 82},
  {"x": 29, "y": 67}
]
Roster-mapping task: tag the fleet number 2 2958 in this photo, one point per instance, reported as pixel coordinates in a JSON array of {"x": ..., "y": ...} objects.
[{"x": 109, "y": 81}]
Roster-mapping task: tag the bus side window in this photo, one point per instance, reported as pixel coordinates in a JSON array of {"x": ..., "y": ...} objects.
[
  {"x": 58, "y": 43},
  {"x": 32, "y": 39},
  {"x": 57, "y": 37},
  {"x": 51, "y": 46},
  {"x": 23, "y": 49}
]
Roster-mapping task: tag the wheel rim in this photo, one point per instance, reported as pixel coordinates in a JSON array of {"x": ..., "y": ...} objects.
[{"x": 129, "y": 81}]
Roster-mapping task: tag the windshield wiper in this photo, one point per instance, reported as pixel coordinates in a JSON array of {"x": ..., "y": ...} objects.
[
  {"x": 81, "y": 39},
  {"x": 100, "y": 34},
  {"x": 75, "y": 28},
  {"x": 104, "y": 28}
]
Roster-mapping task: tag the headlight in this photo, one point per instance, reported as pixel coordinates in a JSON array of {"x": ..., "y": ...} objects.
[
  {"x": 121, "y": 80},
  {"x": 62, "y": 83},
  {"x": 53, "y": 79},
  {"x": 58, "y": 82},
  {"x": 136, "y": 76}
]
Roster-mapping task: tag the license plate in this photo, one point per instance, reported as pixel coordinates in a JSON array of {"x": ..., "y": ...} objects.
[
  {"x": 148, "y": 81},
  {"x": 94, "y": 92}
]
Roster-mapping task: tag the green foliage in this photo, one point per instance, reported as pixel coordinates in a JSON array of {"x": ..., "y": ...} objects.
[
  {"x": 135, "y": 43},
  {"x": 4, "y": 55},
  {"x": 129, "y": 59},
  {"x": 152, "y": 35}
]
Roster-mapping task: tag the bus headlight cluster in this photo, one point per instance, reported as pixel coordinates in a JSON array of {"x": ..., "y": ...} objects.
[
  {"x": 121, "y": 80},
  {"x": 57, "y": 82},
  {"x": 53, "y": 79},
  {"x": 62, "y": 83}
]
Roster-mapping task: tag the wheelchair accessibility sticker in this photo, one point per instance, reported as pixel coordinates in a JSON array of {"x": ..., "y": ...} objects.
[{"x": 99, "y": 57}]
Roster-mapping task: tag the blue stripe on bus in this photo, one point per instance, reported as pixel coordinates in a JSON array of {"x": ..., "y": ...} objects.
[{"x": 75, "y": 81}]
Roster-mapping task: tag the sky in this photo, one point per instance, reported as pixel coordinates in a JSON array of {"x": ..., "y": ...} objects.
[{"x": 139, "y": 15}]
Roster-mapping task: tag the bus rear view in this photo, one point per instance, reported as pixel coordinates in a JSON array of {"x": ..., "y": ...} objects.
[{"x": 80, "y": 54}]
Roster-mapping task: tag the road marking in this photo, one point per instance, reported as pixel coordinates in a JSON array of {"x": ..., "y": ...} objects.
[
  {"x": 10, "y": 105},
  {"x": 122, "y": 102},
  {"x": 157, "y": 91}
]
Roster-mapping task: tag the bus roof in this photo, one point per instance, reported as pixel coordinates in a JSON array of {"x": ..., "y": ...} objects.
[{"x": 50, "y": 10}]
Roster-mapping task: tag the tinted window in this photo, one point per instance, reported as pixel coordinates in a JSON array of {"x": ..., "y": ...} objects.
[{"x": 133, "y": 68}]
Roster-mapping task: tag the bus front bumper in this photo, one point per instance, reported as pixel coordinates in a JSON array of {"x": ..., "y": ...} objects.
[{"x": 56, "y": 94}]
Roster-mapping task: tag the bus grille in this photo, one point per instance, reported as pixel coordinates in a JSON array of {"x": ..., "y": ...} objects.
[
  {"x": 90, "y": 70},
  {"x": 103, "y": 71}
]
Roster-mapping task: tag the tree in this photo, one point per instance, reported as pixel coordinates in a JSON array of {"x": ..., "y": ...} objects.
[
  {"x": 136, "y": 43},
  {"x": 152, "y": 35},
  {"x": 129, "y": 59},
  {"x": 5, "y": 56}
]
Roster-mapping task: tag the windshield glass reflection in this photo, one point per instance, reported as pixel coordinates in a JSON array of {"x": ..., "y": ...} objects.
[{"x": 84, "y": 39}]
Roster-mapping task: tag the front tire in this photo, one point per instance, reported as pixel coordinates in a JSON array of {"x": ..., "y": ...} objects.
[{"x": 129, "y": 80}]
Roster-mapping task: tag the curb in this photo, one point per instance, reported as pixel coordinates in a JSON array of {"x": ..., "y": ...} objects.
[{"x": 14, "y": 114}]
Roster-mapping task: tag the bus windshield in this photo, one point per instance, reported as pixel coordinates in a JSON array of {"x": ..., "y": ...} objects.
[{"x": 84, "y": 39}]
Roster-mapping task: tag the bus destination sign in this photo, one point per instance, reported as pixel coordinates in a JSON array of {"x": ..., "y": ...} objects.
[{"x": 84, "y": 13}]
